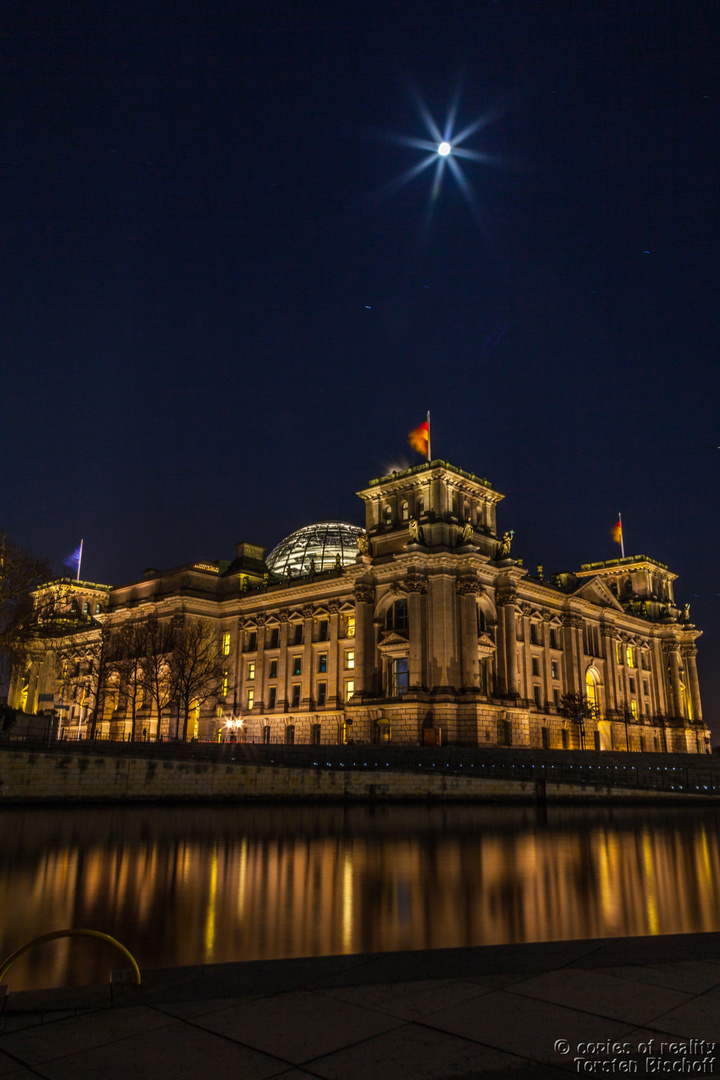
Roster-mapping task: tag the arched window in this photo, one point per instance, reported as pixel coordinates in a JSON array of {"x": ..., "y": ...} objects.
[
  {"x": 388, "y": 514},
  {"x": 397, "y": 616},
  {"x": 419, "y": 506},
  {"x": 481, "y": 621},
  {"x": 405, "y": 512}
]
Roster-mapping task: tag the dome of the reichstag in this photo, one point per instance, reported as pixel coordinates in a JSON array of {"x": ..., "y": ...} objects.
[{"x": 322, "y": 542}]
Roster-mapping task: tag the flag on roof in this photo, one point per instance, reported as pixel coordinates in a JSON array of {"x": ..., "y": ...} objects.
[{"x": 419, "y": 438}]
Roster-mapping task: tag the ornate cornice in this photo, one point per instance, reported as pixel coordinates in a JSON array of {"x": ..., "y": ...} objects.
[{"x": 333, "y": 606}]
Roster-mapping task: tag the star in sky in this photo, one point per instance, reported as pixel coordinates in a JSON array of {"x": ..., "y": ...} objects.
[{"x": 443, "y": 149}]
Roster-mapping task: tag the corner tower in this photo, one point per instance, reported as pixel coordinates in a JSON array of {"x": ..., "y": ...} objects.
[{"x": 433, "y": 507}]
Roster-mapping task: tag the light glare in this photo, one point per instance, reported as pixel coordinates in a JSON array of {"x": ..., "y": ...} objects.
[{"x": 444, "y": 149}]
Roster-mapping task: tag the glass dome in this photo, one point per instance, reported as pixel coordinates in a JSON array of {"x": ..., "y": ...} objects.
[{"x": 322, "y": 542}]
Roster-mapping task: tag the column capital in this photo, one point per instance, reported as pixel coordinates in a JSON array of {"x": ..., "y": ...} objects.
[
  {"x": 506, "y": 596},
  {"x": 333, "y": 606},
  {"x": 468, "y": 586},
  {"x": 364, "y": 594},
  {"x": 575, "y": 621}
]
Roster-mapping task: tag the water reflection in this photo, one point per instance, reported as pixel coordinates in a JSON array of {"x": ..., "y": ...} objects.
[{"x": 212, "y": 884}]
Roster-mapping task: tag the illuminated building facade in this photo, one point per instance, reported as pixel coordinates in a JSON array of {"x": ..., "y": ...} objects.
[{"x": 420, "y": 628}]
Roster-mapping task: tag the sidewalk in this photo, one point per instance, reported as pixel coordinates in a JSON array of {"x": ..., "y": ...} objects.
[{"x": 644, "y": 1004}]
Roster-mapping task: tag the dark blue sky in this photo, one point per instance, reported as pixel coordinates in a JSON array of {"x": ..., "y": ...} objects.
[{"x": 213, "y": 327}]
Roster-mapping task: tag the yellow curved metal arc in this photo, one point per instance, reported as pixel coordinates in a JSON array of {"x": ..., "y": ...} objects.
[{"x": 7, "y": 964}]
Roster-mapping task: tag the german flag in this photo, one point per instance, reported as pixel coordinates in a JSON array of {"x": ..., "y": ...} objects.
[
  {"x": 419, "y": 439},
  {"x": 617, "y": 532}
]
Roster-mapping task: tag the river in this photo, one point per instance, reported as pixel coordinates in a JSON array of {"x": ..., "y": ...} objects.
[{"x": 209, "y": 884}]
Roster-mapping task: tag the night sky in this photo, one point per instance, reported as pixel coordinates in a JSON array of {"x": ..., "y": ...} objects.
[{"x": 220, "y": 316}]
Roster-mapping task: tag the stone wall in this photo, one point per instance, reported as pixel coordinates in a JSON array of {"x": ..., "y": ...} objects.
[{"x": 47, "y": 777}]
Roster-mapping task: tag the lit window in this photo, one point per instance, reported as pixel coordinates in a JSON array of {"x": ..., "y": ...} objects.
[
  {"x": 98, "y": 608},
  {"x": 251, "y": 670},
  {"x": 322, "y": 663},
  {"x": 405, "y": 511},
  {"x": 219, "y": 713},
  {"x": 250, "y": 698},
  {"x": 630, "y": 656},
  {"x": 86, "y": 607},
  {"x": 224, "y": 684},
  {"x": 297, "y": 665},
  {"x": 618, "y": 652},
  {"x": 273, "y": 669},
  {"x": 634, "y": 709},
  {"x": 349, "y": 659},
  {"x": 350, "y": 626},
  {"x": 349, "y": 688},
  {"x": 226, "y": 644},
  {"x": 321, "y": 693},
  {"x": 295, "y": 702}
]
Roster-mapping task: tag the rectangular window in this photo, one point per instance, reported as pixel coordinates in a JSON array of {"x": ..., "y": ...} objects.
[
  {"x": 618, "y": 652},
  {"x": 315, "y": 734},
  {"x": 596, "y": 735},
  {"x": 226, "y": 644},
  {"x": 273, "y": 669},
  {"x": 274, "y": 638},
  {"x": 534, "y": 634},
  {"x": 349, "y": 688},
  {"x": 290, "y": 734},
  {"x": 251, "y": 670},
  {"x": 272, "y": 696},
  {"x": 634, "y": 709},
  {"x": 536, "y": 695},
  {"x": 565, "y": 739},
  {"x": 250, "y": 698},
  {"x": 350, "y": 626},
  {"x": 266, "y": 733},
  {"x": 553, "y": 638},
  {"x": 321, "y": 693},
  {"x": 322, "y": 662},
  {"x": 224, "y": 684},
  {"x": 399, "y": 677},
  {"x": 556, "y": 697},
  {"x": 645, "y": 688},
  {"x": 632, "y": 685},
  {"x": 545, "y": 736},
  {"x": 349, "y": 659},
  {"x": 295, "y": 701},
  {"x": 554, "y": 669},
  {"x": 298, "y": 634},
  {"x": 535, "y": 666},
  {"x": 297, "y": 665},
  {"x": 631, "y": 657},
  {"x": 252, "y": 641},
  {"x": 323, "y": 630}
]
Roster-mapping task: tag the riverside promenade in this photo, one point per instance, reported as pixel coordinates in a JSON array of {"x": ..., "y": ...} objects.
[{"x": 645, "y": 1006}]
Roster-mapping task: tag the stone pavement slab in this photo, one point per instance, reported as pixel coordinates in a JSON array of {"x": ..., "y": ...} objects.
[{"x": 451, "y": 1014}]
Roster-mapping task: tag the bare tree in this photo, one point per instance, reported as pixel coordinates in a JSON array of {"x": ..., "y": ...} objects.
[
  {"x": 578, "y": 708},
  {"x": 157, "y": 666},
  {"x": 626, "y": 716},
  {"x": 197, "y": 669},
  {"x": 87, "y": 668},
  {"x": 19, "y": 573},
  {"x": 128, "y": 650}
]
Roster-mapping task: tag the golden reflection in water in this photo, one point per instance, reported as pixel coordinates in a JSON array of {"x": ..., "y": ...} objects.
[{"x": 218, "y": 884}]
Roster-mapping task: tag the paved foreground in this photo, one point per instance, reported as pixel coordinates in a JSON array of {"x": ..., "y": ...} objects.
[{"x": 639, "y": 1006}]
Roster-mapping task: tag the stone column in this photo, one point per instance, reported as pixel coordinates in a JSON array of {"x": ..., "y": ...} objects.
[
  {"x": 259, "y": 681},
  {"x": 571, "y": 655},
  {"x": 417, "y": 589},
  {"x": 282, "y": 696},
  {"x": 364, "y": 639},
  {"x": 526, "y": 682},
  {"x": 689, "y": 653},
  {"x": 546, "y": 660},
  {"x": 673, "y": 654},
  {"x": 607, "y": 634},
  {"x": 467, "y": 591},
  {"x": 333, "y": 697},
  {"x": 507, "y": 634},
  {"x": 306, "y": 658}
]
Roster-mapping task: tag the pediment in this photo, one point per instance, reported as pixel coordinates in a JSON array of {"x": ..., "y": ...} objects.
[{"x": 595, "y": 591}]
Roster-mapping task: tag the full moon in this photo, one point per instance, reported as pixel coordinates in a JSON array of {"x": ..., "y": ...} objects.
[{"x": 444, "y": 149}]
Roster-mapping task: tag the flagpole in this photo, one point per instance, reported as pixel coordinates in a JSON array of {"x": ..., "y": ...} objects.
[
  {"x": 79, "y": 561},
  {"x": 622, "y": 538},
  {"x": 428, "y": 424}
]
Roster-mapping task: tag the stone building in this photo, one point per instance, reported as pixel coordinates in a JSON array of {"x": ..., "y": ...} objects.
[{"x": 421, "y": 628}]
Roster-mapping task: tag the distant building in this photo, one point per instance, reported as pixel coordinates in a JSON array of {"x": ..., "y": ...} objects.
[{"x": 420, "y": 628}]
